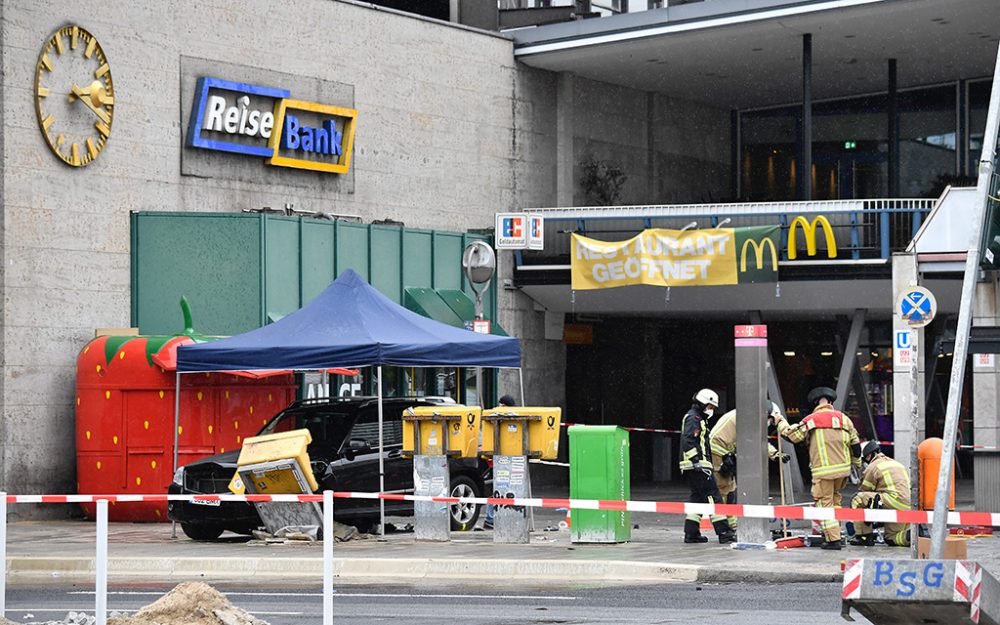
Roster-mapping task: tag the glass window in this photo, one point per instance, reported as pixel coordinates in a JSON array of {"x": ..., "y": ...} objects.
[
  {"x": 927, "y": 141},
  {"x": 436, "y": 382},
  {"x": 328, "y": 428},
  {"x": 850, "y": 147},
  {"x": 366, "y": 428},
  {"x": 979, "y": 102}
]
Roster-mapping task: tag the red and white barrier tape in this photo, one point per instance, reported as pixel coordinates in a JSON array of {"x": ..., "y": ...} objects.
[
  {"x": 884, "y": 443},
  {"x": 986, "y": 519},
  {"x": 566, "y": 425}
]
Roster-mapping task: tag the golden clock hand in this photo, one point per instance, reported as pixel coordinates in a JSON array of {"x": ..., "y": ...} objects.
[
  {"x": 101, "y": 113},
  {"x": 98, "y": 96}
]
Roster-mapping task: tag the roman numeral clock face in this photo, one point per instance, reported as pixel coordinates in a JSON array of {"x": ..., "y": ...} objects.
[{"x": 74, "y": 96}]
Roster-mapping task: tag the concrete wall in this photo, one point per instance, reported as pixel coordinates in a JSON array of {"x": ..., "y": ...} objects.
[
  {"x": 533, "y": 177},
  {"x": 673, "y": 151},
  {"x": 691, "y": 143},
  {"x": 432, "y": 149}
]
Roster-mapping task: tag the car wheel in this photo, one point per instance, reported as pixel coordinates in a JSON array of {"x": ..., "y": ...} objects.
[
  {"x": 201, "y": 532},
  {"x": 464, "y": 515}
]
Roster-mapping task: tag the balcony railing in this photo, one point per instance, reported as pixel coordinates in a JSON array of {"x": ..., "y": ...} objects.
[{"x": 864, "y": 230}]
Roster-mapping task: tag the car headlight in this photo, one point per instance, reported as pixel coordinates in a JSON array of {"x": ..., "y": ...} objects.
[{"x": 179, "y": 476}]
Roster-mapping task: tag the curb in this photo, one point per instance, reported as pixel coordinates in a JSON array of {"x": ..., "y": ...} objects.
[
  {"x": 756, "y": 576},
  {"x": 368, "y": 569}
]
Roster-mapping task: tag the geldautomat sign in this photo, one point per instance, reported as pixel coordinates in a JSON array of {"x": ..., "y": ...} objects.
[{"x": 265, "y": 122}]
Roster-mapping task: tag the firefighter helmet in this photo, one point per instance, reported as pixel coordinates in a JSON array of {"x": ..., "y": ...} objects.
[{"x": 707, "y": 397}]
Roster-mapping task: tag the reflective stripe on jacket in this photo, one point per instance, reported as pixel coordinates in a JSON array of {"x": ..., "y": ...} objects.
[
  {"x": 890, "y": 479},
  {"x": 694, "y": 442},
  {"x": 831, "y": 436}
]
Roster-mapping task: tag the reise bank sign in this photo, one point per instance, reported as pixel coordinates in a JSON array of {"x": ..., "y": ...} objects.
[{"x": 265, "y": 122}]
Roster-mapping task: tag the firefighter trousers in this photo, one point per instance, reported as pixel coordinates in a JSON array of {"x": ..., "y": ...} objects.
[
  {"x": 704, "y": 490},
  {"x": 827, "y": 494}
]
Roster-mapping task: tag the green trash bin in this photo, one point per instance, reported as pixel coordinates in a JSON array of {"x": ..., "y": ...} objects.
[{"x": 599, "y": 469}]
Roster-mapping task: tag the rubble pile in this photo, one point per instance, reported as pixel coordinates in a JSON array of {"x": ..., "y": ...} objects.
[{"x": 189, "y": 603}]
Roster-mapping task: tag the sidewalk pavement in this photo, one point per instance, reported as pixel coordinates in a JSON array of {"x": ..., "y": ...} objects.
[{"x": 38, "y": 550}]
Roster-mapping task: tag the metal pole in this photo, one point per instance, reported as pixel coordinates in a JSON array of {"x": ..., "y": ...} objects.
[
  {"x": 751, "y": 427},
  {"x": 177, "y": 427},
  {"x": 520, "y": 379},
  {"x": 3, "y": 554},
  {"x": 893, "y": 121},
  {"x": 914, "y": 427},
  {"x": 939, "y": 528},
  {"x": 381, "y": 459},
  {"x": 805, "y": 176},
  {"x": 101, "y": 574},
  {"x": 328, "y": 539},
  {"x": 479, "y": 370},
  {"x": 177, "y": 415}
]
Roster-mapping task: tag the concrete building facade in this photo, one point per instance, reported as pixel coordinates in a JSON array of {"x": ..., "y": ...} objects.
[{"x": 450, "y": 130}]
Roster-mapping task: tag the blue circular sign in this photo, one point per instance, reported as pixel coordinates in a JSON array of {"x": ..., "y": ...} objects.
[{"x": 917, "y": 306}]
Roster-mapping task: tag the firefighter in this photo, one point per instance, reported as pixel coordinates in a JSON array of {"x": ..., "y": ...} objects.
[
  {"x": 834, "y": 454},
  {"x": 884, "y": 486},
  {"x": 696, "y": 463},
  {"x": 722, "y": 441}
]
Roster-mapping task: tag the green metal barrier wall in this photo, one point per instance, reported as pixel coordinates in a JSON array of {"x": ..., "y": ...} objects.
[{"x": 242, "y": 270}]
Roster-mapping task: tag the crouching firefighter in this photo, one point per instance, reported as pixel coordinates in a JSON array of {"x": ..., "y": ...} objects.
[
  {"x": 884, "y": 486},
  {"x": 696, "y": 464},
  {"x": 722, "y": 441}
]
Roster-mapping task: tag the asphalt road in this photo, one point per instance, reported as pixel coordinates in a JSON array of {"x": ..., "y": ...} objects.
[{"x": 435, "y": 603}]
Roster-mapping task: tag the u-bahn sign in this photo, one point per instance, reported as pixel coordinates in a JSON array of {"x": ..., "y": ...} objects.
[{"x": 659, "y": 257}]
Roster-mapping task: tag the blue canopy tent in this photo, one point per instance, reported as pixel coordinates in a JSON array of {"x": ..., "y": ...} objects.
[{"x": 349, "y": 325}]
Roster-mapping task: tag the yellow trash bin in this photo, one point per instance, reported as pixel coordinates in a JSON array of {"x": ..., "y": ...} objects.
[
  {"x": 259, "y": 450},
  {"x": 543, "y": 431},
  {"x": 462, "y": 423}
]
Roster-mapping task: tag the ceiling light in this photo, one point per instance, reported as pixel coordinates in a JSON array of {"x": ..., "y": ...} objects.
[
  {"x": 826, "y": 353},
  {"x": 789, "y": 354}
]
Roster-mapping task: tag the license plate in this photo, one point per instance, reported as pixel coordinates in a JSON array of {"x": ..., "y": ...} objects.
[{"x": 206, "y": 502}]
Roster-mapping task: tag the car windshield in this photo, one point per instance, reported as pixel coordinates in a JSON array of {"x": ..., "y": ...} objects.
[{"x": 328, "y": 427}]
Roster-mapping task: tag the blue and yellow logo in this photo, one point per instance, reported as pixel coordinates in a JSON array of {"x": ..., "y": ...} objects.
[{"x": 263, "y": 121}]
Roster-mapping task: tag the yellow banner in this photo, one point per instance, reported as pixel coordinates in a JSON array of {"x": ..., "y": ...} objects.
[{"x": 657, "y": 257}]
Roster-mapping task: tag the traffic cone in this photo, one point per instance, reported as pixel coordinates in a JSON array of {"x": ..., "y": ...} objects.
[
  {"x": 706, "y": 524},
  {"x": 569, "y": 519}
]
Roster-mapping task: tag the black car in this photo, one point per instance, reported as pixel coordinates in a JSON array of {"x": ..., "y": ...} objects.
[{"x": 344, "y": 457}]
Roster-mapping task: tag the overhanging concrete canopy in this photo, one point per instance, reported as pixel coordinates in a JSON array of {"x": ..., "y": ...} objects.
[
  {"x": 739, "y": 54},
  {"x": 805, "y": 299}
]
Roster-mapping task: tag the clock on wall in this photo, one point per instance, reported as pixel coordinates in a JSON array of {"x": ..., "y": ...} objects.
[{"x": 74, "y": 95}]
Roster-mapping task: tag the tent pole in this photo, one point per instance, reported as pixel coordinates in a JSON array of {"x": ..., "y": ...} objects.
[
  {"x": 177, "y": 424},
  {"x": 520, "y": 379},
  {"x": 479, "y": 387},
  {"x": 381, "y": 458}
]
